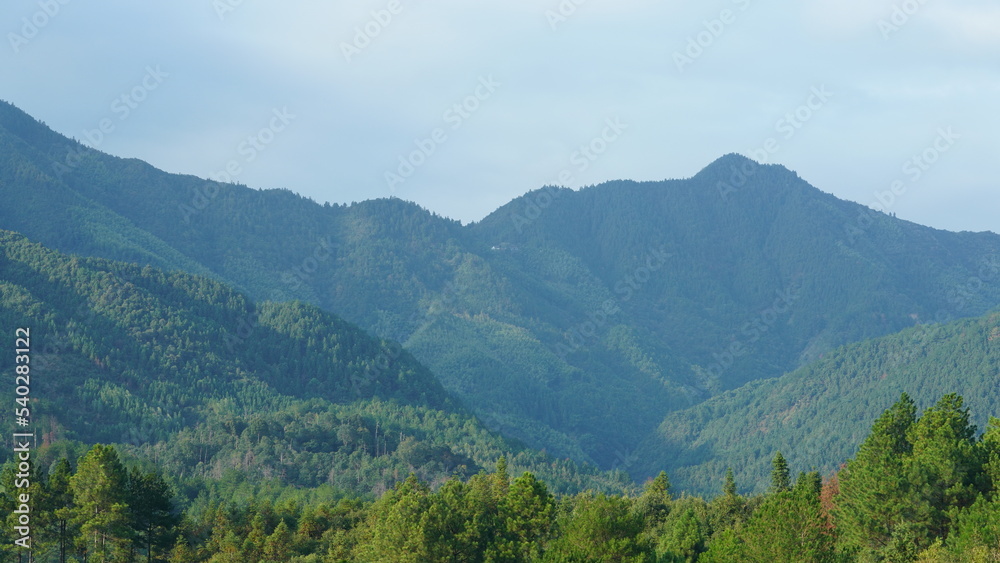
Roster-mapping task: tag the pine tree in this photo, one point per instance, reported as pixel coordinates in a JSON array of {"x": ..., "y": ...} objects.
[
  {"x": 685, "y": 538},
  {"x": 788, "y": 527},
  {"x": 99, "y": 490},
  {"x": 253, "y": 544},
  {"x": 780, "y": 478},
  {"x": 989, "y": 448},
  {"x": 942, "y": 469},
  {"x": 729, "y": 508},
  {"x": 729, "y": 487},
  {"x": 181, "y": 552},
  {"x": 808, "y": 483},
  {"x": 394, "y": 531},
  {"x": 654, "y": 503},
  {"x": 873, "y": 490},
  {"x": 527, "y": 516},
  {"x": 58, "y": 507},
  {"x": 977, "y": 527},
  {"x": 501, "y": 477},
  {"x": 151, "y": 510},
  {"x": 600, "y": 528},
  {"x": 278, "y": 546}
]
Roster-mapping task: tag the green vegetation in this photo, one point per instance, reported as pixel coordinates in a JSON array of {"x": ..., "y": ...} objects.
[
  {"x": 818, "y": 414},
  {"x": 574, "y": 321},
  {"x": 207, "y": 390},
  {"x": 920, "y": 489},
  {"x": 186, "y": 372}
]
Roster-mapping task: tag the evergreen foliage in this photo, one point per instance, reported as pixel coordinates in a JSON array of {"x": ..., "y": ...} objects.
[
  {"x": 190, "y": 373},
  {"x": 591, "y": 313}
]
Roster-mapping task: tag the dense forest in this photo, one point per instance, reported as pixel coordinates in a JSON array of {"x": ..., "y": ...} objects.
[
  {"x": 573, "y": 321},
  {"x": 920, "y": 488},
  {"x": 684, "y": 370},
  {"x": 192, "y": 375},
  {"x": 817, "y": 414}
]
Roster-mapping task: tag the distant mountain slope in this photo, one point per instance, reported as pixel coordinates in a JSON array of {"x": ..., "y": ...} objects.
[
  {"x": 572, "y": 320},
  {"x": 817, "y": 415},
  {"x": 776, "y": 241},
  {"x": 190, "y": 373}
]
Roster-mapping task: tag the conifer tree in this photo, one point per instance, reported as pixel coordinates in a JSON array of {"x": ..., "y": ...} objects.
[
  {"x": 500, "y": 477},
  {"x": 780, "y": 477},
  {"x": 278, "y": 546},
  {"x": 989, "y": 448},
  {"x": 788, "y": 527},
  {"x": 151, "y": 511},
  {"x": 654, "y": 502},
  {"x": 395, "y": 531},
  {"x": 729, "y": 486},
  {"x": 58, "y": 508},
  {"x": 99, "y": 490},
  {"x": 728, "y": 508},
  {"x": 685, "y": 538},
  {"x": 942, "y": 469},
  {"x": 527, "y": 517},
  {"x": 873, "y": 490},
  {"x": 600, "y": 528}
]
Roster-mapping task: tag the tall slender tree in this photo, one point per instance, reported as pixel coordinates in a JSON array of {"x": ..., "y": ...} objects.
[
  {"x": 780, "y": 477},
  {"x": 57, "y": 508},
  {"x": 151, "y": 511},
  {"x": 99, "y": 489},
  {"x": 873, "y": 489},
  {"x": 942, "y": 469}
]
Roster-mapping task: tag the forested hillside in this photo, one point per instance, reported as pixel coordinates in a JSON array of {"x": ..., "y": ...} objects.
[
  {"x": 921, "y": 488},
  {"x": 190, "y": 374},
  {"x": 819, "y": 413},
  {"x": 571, "y": 320}
]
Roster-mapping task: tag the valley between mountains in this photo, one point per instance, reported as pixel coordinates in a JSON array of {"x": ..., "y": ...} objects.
[{"x": 687, "y": 325}]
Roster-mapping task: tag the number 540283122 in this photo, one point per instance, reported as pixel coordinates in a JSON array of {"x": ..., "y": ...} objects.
[{"x": 22, "y": 371}]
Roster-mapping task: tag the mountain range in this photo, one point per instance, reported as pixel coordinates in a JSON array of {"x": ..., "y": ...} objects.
[{"x": 628, "y": 325}]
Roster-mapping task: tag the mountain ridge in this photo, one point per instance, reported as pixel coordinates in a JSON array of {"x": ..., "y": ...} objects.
[
  {"x": 499, "y": 309},
  {"x": 184, "y": 370}
]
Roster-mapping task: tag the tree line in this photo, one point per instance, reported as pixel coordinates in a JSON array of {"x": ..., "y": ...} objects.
[{"x": 920, "y": 488}]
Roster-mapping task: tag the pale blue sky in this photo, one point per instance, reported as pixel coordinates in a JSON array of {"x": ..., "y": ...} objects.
[{"x": 201, "y": 76}]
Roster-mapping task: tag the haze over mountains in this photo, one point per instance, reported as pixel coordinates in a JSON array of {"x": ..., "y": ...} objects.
[
  {"x": 183, "y": 370},
  {"x": 579, "y": 322}
]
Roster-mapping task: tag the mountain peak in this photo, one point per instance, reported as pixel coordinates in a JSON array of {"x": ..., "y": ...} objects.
[
  {"x": 734, "y": 168},
  {"x": 732, "y": 159}
]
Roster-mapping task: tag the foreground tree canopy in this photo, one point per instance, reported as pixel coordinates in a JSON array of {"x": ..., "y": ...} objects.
[{"x": 920, "y": 488}]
